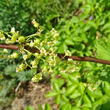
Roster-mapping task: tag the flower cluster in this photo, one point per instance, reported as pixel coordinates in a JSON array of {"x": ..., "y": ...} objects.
[
  {"x": 20, "y": 67},
  {"x": 2, "y": 37},
  {"x": 37, "y": 77},
  {"x": 46, "y": 47}
]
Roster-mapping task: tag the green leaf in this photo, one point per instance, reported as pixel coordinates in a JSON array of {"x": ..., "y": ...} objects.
[
  {"x": 65, "y": 98},
  {"x": 60, "y": 82},
  {"x": 81, "y": 88},
  {"x": 85, "y": 108},
  {"x": 51, "y": 94},
  {"x": 58, "y": 43},
  {"x": 70, "y": 89},
  {"x": 107, "y": 31},
  {"x": 39, "y": 107},
  {"x": 86, "y": 27},
  {"x": 47, "y": 107},
  {"x": 92, "y": 23},
  {"x": 89, "y": 105},
  {"x": 97, "y": 105},
  {"x": 106, "y": 26},
  {"x": 52, "y": 16},
  {"x": 84, "y": 37},
  {"x": 56, "y": 86},
  {"x": 69, "y": 42},
  {"x": 73, "y": 79},
  {"x": 91, "y": 1},
  {"x": 75, "y": 108},
  {"x": 106, "y": 102},
  {"x": 83, "y": 16},
  {"x": 66, "y": 107},
  {"x": 96, "y": 93},
  {"x": 103, "y": 51},
  {"x": 74, "y": 19},
  {"x": 77, "y": 39},
  {"x": 57, "y": 99},
  {"x": 64, "y": 75},
  {"x": 86, "y": 99},
  {"x": 29, "y": 108},
  {"x": 105, "y": 99},
  {"x": 106, "y": 88},
  {"x": 1, "y": 76},
  {"x": 69, "y": 83},
  {"x": 75, "y": 94},
  {"x": 81, "y": 23},
  {"x": 79, "y": 102},
  {"x": 78, "y": 30},
  {"x": 62, "y": 48},
  {"x": 86, "y": 8}
]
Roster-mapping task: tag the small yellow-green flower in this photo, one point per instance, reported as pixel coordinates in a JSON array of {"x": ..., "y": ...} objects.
[
  {"x": 67, "y": 53},
  {"x": 5, "y": 50}
]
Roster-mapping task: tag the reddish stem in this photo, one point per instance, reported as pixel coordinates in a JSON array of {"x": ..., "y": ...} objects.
[{"x": 77, "y": 58}]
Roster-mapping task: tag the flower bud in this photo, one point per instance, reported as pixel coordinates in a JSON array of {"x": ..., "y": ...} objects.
[
  {"x": 5, "y": 50},
  {"x": 37, "y": 41},
  {"x": 67, "y": 53},
  {"x": 15, "y": 55},
  {"x": 13, "y": 30},
  {"x": 8, "y": 41},
  {"x": 21, "y": 39},
  {"x": 14, "y": 38},
  {"x": 36, "y": 25}
]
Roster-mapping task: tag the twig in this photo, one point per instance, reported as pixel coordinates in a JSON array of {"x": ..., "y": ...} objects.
[
  {"x": 77, "y": 58},
  {"x": 18, "y": 87}
]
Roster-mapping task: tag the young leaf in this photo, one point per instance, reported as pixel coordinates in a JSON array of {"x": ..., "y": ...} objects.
[
  {"x": 97, "y": 105},
  {"x": 75, "y": 108},
  {"x": 106, "y": 26},
  {"x": 51, "y": 94},
  {"x": 60, "y": 82},
  {"x": 69, "y": 42},
  {"x": 95, "y": 94},
  {"x": 70, "y": 89},
  {"x": 86, "y": 27},
  {"x": 83, "y": 16},
  {"x": 62, "y": 48},
  {"x": 57, "y": 99},
  {"x": 79, "y": 102},
  {"x": 75, "y": 94},
  {"x": 106, "y": 88},
  {"x": 69, "y": 83},
  {"x": 89, "y": 105},
  {"x": 64, "y": 75},
  {"x": 29, "y": 108},
  {"x": 56, "y": 86},
  {"x": 65, "y": 98},
  {"x": 66, "y": 107},
  {"x": 103, "y": 50},
  {"x": 73, "y": 79},
  {"x": 86, "y": 99},
  {"x": 85, "y": 108},
  {"x": 74, "y": 19},
  {"x": 39, "y": 107},
  {"x": 86, "y": 8},
  {"x": 106, "y": 102},
  {"x": 81, "y": 88},
  {"x": 92, "y": 23},
  {"x": 47, "y": 107}
]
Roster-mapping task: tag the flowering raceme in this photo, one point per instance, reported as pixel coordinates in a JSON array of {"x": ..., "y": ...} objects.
[{"x": 47, "y": 53}]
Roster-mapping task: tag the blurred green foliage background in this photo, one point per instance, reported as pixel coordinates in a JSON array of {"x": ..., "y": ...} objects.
[
  {"x": 83, "y": 25},
  {"x": 19, "y": 14}
]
